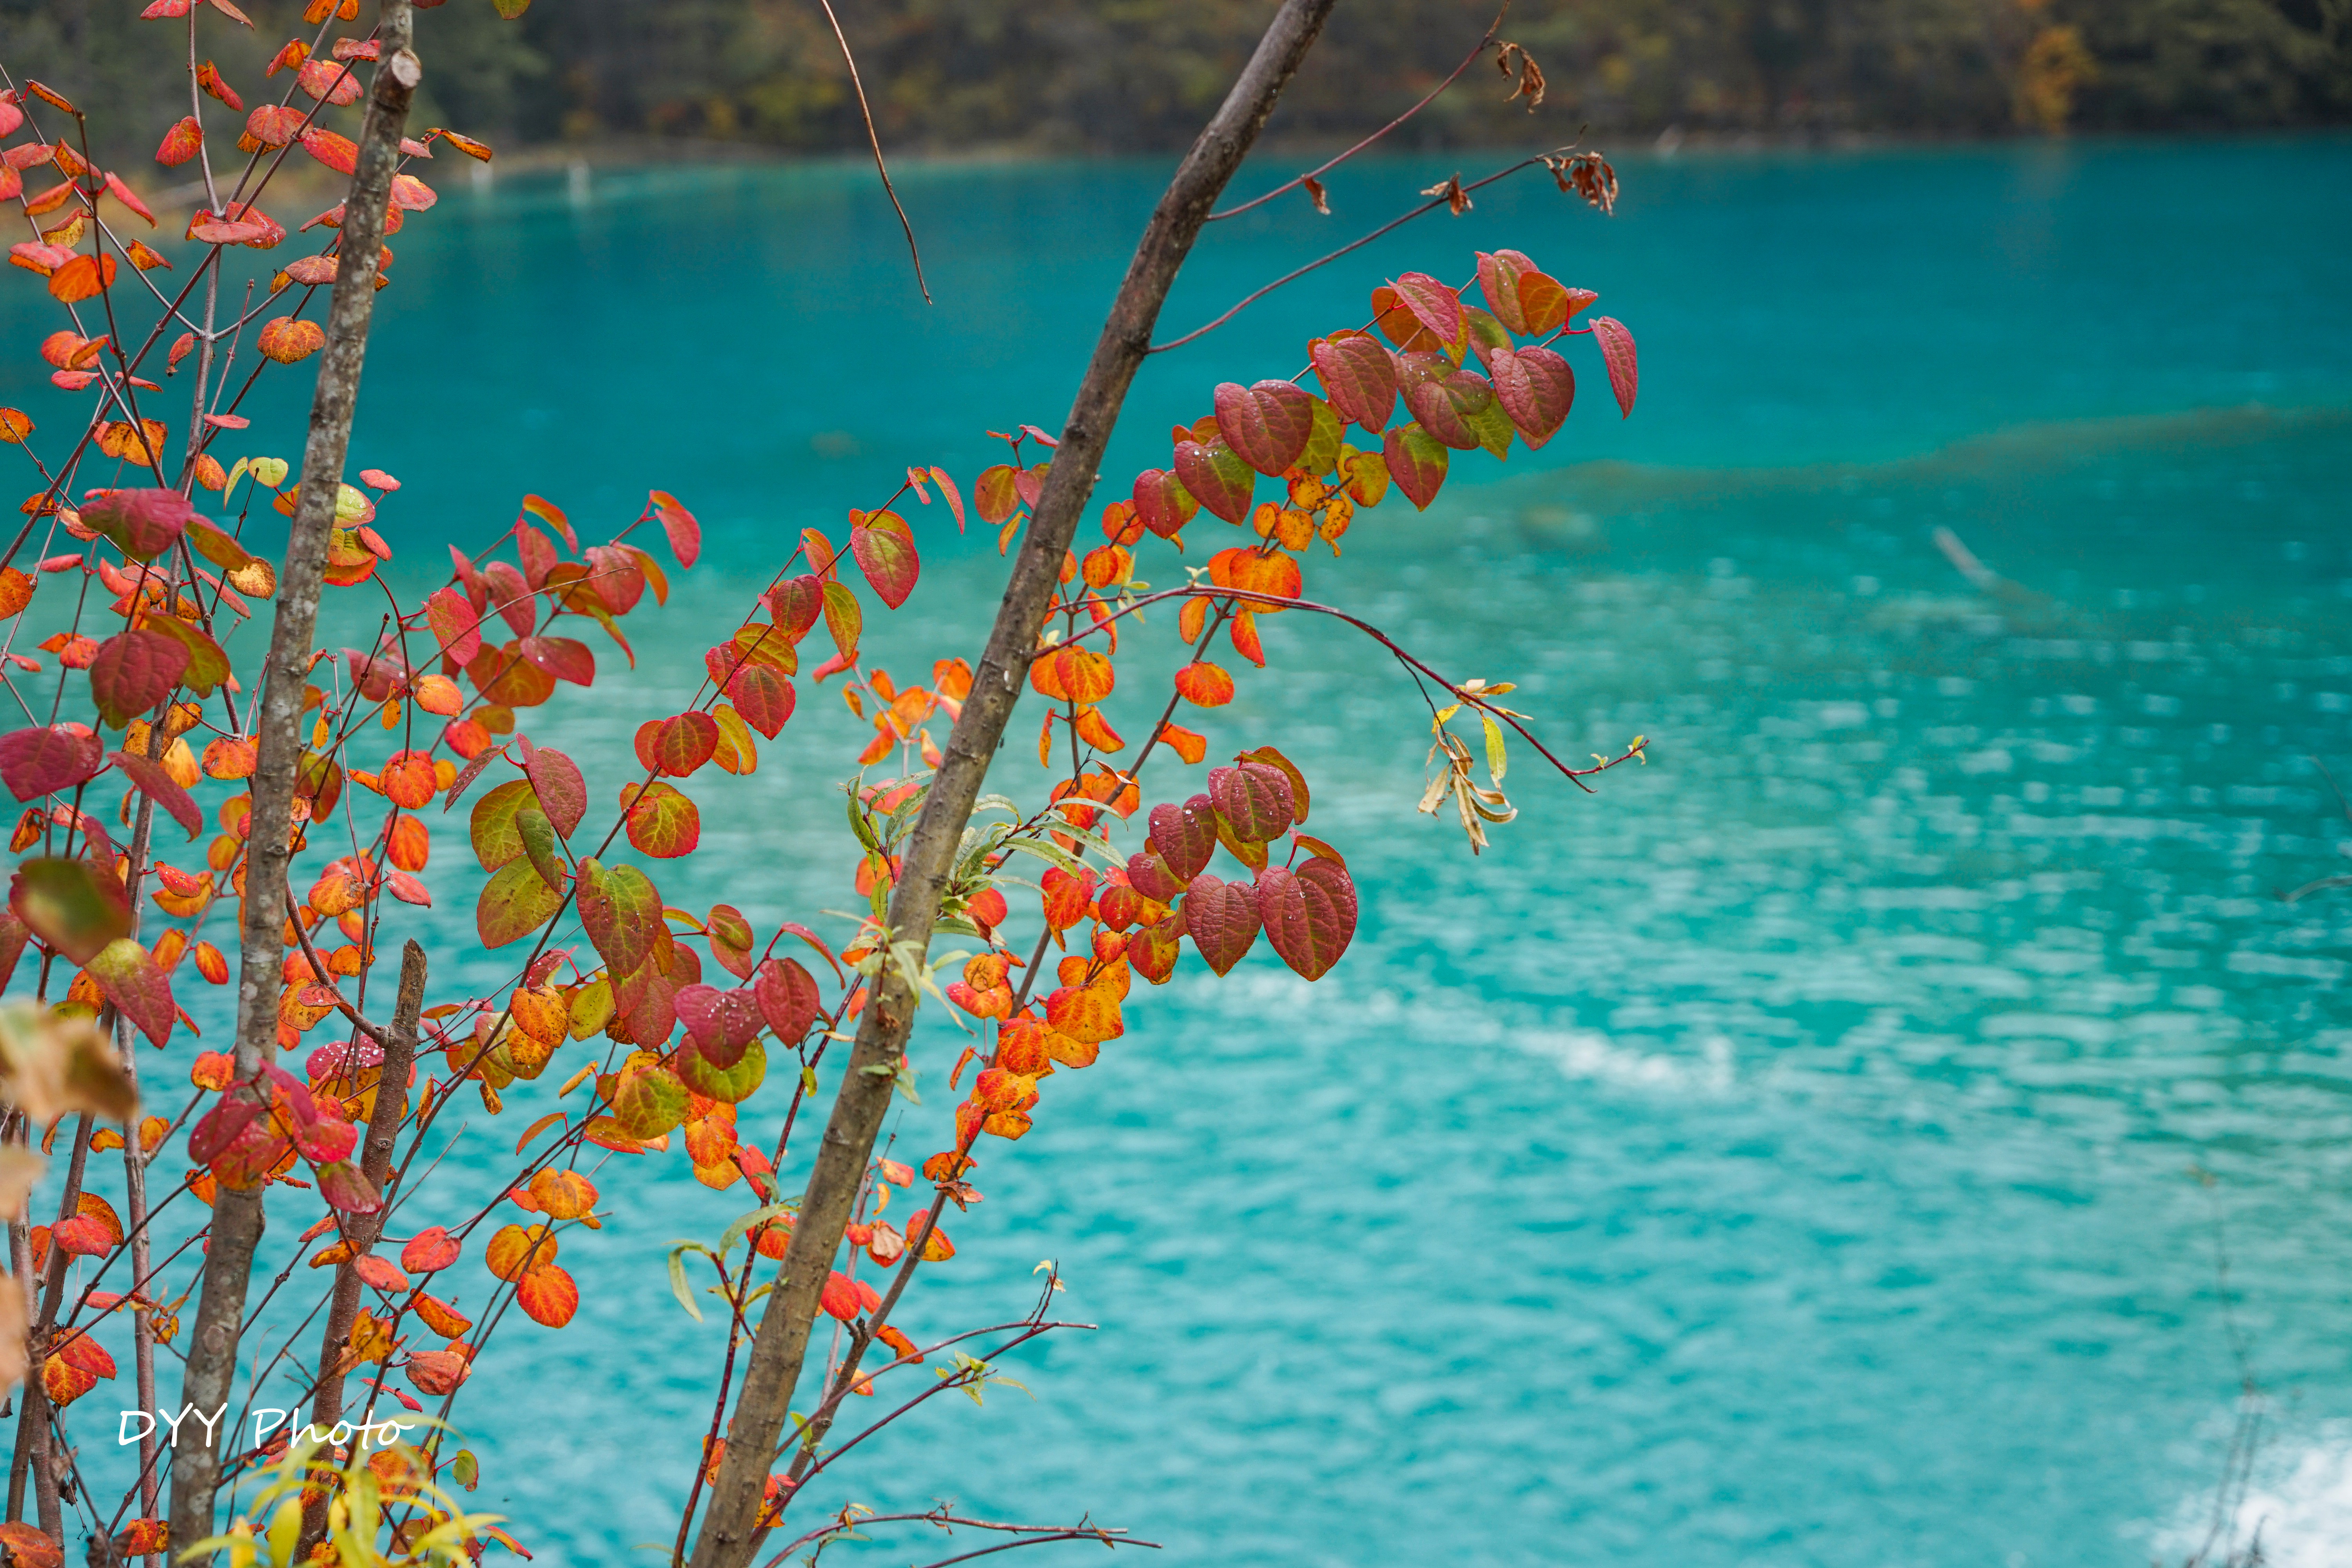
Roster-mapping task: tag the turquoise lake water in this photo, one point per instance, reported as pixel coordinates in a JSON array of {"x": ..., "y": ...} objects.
[{"x": 1783, "y": 1157}]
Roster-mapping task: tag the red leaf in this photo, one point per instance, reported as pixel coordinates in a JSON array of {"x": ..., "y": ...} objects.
[
  {"x": 1537, "y": 388},
  {"x": 555, "y": 779},
  {"x": 82, "y": 1236},
  {"x": 379, "y": 1272},
  {"x": 762, "y": 696},
  {"x": 1446, "y": 403},
  {"x": 885, "y": 549},
  {"x": 430, "y": 1252},
  {"x": 141, "y": 523},
  {"x": 723, "y": 1023},
  {"x": 158, "y": 785},
  {"x": 685, "y": 534},
  {"x": 1152, "y": 877},
  {"x": 1183, "y": 835},
  {"x": 1432, "y": 304},
  {"x": 566, "y": 658},
  {"x": 1499, "y": 279},
  {"x": 1221, "y": 919},
  {"x": 1255, "y": 798},
  {"x": 1617, "y": 350},
  {"x": 1217, "y": 477},
  {"x": 1163, "y": 501},
  {"x": 1267, "y": 424},
  {"x": 1310, "y": 914},
  {"x": 128, "y": 197},
  {"x": 787, "y": 998},
  {"x": 50, "y": 760},
  {"x": 345, "y": 1188},
  {"x": 679, "y": 744},
  {"x": 1359, "y": 377},
  {"x": 453, "y": 622},
  {"x": 1416, "y": 462},
  {"x": 340, "y": 153},
  {"x": 132, "y": 672},
  {"x": 796, "y": 603}
]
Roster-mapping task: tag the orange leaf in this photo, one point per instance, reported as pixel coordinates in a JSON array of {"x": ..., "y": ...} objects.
[{"x": 1204, "y": 685}]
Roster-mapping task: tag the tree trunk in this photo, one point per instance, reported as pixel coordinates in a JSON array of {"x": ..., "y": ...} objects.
[
  {"x": 236, "y": 1215},
  {"x": 730, "y": 1525},
  {"x": 363, "y": 1231}
]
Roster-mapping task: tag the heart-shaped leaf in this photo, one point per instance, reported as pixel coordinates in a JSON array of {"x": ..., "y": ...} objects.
[
  {"x": 1537, "y": 389},
  {"x": 663, "y": 822},
  {"x": 132, "y": 672},
  {"x": 1359, "y": 378},
  {"x": 1217, "y": 478},
  {"x": 1255, "y": 798},
  {"x": 620, "y": 913},
  {"x": 50, "y": 760},
  {"x": 1221, "y": 919},
  {"x": 731, "y": 1083},
  {"x": 1152, "y": 877},
  {"x": 884, "y": 548},
  {"x": 515, "y": 902},
  {"x": 1163, "y": 501},
  {"x": 787, "y": 998},
  {"x": 762, "y": 696},
  {"x": 721, "y": 1022},
  {"x": 796, "y": 603},
  {"x": 1310, "y": 914},
  {"x": 1185, "y": 835},
  {"x": 1447, "y": 407},
  {"x": 1416, "y": 462},
  {"x": 1433, "y": 305},
  {"x": 1266, "y": 425},
  {"x": 1499, "y": 279},
  {"x": 141, "y": 523}
]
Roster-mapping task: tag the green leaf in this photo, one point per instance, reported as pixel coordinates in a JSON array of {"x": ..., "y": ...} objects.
[
  {"x": 843, "y": 618},
  {"x": 677, "y": 1285},
  {"x": 71, "y": 905},
  {"x": 758, "y": 1217},
  {"x": 497, "y": 839},
  {"x": 621, "y": 912},
  {"x": 649, "y": 1100},
  {"x": 539, "y": 845},
  {"x": 515, "y": 902},
  {"x": 1495, "y": 759},
  {"x": 734, "y": 1084}
]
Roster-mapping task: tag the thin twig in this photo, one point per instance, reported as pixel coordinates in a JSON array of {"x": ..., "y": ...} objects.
[
  {"x": 874, "y": 141},
  {"x": 1433, "y": 202},
  {"x": 1492, "y": 29}
]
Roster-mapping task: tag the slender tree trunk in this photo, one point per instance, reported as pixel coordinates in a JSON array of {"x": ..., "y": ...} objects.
[
  {"x": 730, "y": 1527},
  {"x": 33, "y": 1420},
  {"x": 236, "y": 1215},
  {"x": 363, "y": 1231}
]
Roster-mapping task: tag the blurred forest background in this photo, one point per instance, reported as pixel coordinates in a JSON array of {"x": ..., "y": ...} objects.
[{"x": 1128, "y": 75}]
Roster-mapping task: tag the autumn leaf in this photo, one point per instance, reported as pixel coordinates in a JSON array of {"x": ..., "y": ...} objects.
[
  {"x": 1217, "y": 477},
  {"x": 1359, "y": 377},
  {"x": 663, "y": 822},
  {"x": 1310, "y": 914},
  {"x": 180, "y": 143},
  {"x": 547, "y": 1296},
  {"x": 1617, "y": 351},
  {"x": 1073, "y": 675},
  {"x": 1184, "y": 836},
  {"x": 684, "y": 532},
  {"x": 555, "y": 780},
  {"x": 430, "y": 1251},
  {"x": 885, "y": 549},
  {"x": 1204, "y": 685},
  {"x": 1535, "y": 388},
  {"x": 515, "y": 1248},
  {"x": 1266, "y": 425},
  {"x": 50, "y": 760},
  {"x": 154, "y": 781},
  {"x": 1416, "y": 462},
  {"x": 1255, "y": 798}
]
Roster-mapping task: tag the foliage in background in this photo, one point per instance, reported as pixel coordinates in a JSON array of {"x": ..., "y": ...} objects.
[{"x": 1128, "y": 75}]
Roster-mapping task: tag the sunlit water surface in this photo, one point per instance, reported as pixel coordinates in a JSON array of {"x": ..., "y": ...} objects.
[{"x": 1783, "y": 1157}]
